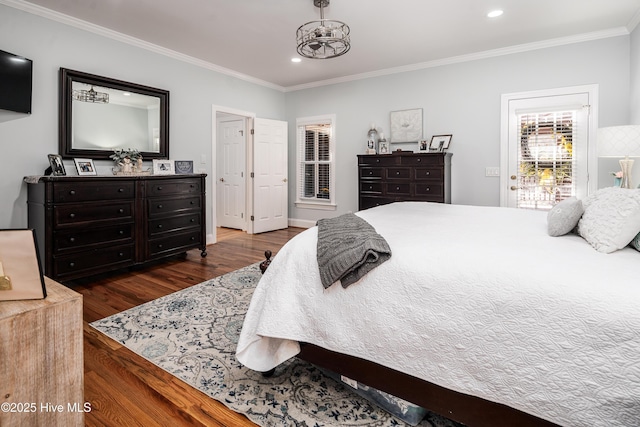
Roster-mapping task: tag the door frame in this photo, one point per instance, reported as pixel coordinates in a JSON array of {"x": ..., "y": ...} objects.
[
  {"x": 249, "y": 116},
  {"x": 592, "y": 128}
]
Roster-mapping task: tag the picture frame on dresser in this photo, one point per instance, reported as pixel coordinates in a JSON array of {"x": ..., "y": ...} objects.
[
  {"x": 85, "y": 167},
  {"x": 183, "y": 166},
  {"x": 163, "y": 167},
  {"x": 56, "y": 167},
  {"x": 440, "y": 142}
]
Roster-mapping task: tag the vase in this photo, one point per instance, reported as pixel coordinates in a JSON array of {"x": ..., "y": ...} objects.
[
  {"x": 616, "y": 182},
  {"x": 626, "y": 165}
]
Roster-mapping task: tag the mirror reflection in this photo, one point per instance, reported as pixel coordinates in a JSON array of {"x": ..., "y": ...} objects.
[
  {"x": 99, "y": 115},
  {"x": 106, "y": 118}
]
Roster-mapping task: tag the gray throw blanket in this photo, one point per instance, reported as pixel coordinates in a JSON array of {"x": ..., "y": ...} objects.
[{"x": 348, "y": 248}]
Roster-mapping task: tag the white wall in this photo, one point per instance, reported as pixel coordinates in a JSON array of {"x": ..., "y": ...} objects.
[
  {"x": 25, "y": 140},
  {"x": 461, "y": 99},
  {"x": 635, "y": 77}
]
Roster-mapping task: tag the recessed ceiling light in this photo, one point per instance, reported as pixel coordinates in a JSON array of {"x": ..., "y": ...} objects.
[
  {"x": 495, "y": 13},
  {"x": 296, "y": 60}
]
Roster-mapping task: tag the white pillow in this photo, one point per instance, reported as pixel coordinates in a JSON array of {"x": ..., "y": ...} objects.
[
  {"x": 611, "y": 218},
  {"x": 564, "y": 216}
]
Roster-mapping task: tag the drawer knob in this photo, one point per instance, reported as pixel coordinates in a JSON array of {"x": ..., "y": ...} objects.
[
  {"x": 72, "y": 215},
  {"x": 72, "y": 264},
  {"x": 192, "y": 202},
  {"x": 428, "y": 189},
  {"x": 72, "y": 192},
  {"x": 397, "y": 172},
  {"x": 159, "y": 188},
  {"x": 371, "y": 187},
  {"x": 159, "y": 246},
  {"x": 120, "y": 254},
  {"x": 120, "y": 190},
  {"x": 397, "y": 188},
  {"x": 159, "y": 206},
  {"x": 72, "y": 239},
  {"x": 121, "y": 232},
  {"x": 193, "y": 238},
  {"x": 370, "y": 172},
  {"x": 159, "y": 225},
  {"x": 377, "y": 160},
  {"x": 120, "y": 210},
  {"x": 427, "y": 173},
  {"x": 419, "y": 160},
  {"x": 192, "y": 220}
]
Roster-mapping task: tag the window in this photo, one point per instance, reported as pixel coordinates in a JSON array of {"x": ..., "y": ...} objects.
[
  {"x": 546, "y": 160},
  {"x": 316, "y": 162}
]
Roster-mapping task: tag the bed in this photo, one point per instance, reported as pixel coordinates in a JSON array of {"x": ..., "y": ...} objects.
[{"x": 479, "y": 315}]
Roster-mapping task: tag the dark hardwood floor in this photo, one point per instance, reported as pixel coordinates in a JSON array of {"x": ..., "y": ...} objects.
[{"x": 123, "y": 388}]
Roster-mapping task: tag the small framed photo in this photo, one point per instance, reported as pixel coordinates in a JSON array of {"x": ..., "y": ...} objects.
[
  {"x": 440, "y": 142},
  {"x": 163, "y": 167},
  {"x": 55, "y": 162},
  {"x": 423, "y": 145},
  {"x": 183, "y": 166},
  {"x": 383, "y": 148},
  {"x": 85, "y": 166}
]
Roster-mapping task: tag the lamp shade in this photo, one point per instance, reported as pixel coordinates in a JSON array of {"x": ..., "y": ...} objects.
[{"x": 619, "y": 141}]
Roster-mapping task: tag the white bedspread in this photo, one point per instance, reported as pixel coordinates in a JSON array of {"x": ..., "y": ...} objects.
[{"x": 476, "y": 299}]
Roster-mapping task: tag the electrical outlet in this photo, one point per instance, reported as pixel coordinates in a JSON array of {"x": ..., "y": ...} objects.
[{"x": 492, "y": 171}]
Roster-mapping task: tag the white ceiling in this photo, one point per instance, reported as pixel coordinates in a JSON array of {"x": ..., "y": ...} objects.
[{"x": 255, "y": 39}]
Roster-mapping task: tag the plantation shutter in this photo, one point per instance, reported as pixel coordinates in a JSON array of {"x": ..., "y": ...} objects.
[
  {"x": 315, "y": 163},
  {"x": 546, "y": 158}
]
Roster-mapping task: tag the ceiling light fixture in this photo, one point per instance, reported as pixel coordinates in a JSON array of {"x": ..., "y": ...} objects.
[
  {"x": 323, "y": 39},
  {"x": 296, "y": 59},
  {"x": 91, "y": 96},
  {"x": 495, "y": 13}
]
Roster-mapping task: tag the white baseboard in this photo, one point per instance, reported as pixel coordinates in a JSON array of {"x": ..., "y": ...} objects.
[{"x": 302, "y": 223}]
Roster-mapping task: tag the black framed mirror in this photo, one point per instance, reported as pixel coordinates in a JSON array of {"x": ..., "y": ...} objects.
[{"x": 99, "y": 115}]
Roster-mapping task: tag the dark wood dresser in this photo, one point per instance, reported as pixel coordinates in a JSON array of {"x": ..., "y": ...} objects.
[
  {"x": 89, "y": 225},
  {"x": 388, "y": 178}
]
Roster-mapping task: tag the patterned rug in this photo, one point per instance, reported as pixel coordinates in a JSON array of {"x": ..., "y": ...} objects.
[{"x": 193, "y": 333}]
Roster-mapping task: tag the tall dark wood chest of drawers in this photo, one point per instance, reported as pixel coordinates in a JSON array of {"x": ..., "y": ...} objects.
[
  {"x": 89, "y": 225},
  {"x": 388, "y": 178}
]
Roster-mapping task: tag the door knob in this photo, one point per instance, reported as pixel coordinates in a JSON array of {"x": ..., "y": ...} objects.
[
  {"x": 284, "y": 179},
  {"x": 513, "y": 177},
  {"x": 221, "y": 179},
  {"x": 514, "y": 188}
]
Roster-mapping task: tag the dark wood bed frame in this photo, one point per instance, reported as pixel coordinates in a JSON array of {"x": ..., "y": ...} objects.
[{"x": 463, "y": 408}]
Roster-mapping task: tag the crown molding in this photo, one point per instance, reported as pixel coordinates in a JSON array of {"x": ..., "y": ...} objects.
[{"x": 114, "y": 35}]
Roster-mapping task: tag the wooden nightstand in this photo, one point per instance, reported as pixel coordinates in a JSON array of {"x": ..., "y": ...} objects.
[{"x": 41, "y": 360}]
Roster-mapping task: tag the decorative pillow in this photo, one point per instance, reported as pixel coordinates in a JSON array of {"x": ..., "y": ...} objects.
[
  {"x": 564, "y": 217},
  {"x": 635, "y": 243},
  {"x": 611, "y": 218}
]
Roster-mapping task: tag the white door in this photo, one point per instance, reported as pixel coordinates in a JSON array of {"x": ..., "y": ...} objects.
[
  {"x": 231, "y": 179},
  {"x": 548, "y": 150},
  {"x": 270, "y": 186}
]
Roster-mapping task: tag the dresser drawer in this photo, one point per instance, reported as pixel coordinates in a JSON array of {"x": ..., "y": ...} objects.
[
  {"x": 367, "y": 172},
  {"x": 172, "y": 187},
  {"x": 371, "y": 187},
  {"x": 159, "y": 207},
  {"x": 434, "y": 189},
  {"x": 84, "y": 191},
  {"x": 398, "y": 173},
  {"x": 64, "y": 215},
  {"x": 400, "y": 188},
  {"x": 174, "y": 243},
  {"x": 173, "y": 224},
  {"x": 372, "y": 202},
  {"x": 423, "y": 161},
  {"x": 436, "y": 173},
  {"x": 377, "y": 160},
  {"x": 69, "y": 240},
  {"x": 94, "y": 261}
]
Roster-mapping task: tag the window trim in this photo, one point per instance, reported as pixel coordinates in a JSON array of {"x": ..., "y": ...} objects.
[{"x": 329, "y": 204}]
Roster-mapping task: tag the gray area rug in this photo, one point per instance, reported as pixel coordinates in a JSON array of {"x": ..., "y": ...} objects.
[{"x": 193, "y": 333}]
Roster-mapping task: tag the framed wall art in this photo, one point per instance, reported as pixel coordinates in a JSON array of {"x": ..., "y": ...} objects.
[
  {"x": 85, "y": 167},
  {"x": 163, "y": 167},
  {"x": 56, "y": 168},
  {"x": 406, "y": 125}
]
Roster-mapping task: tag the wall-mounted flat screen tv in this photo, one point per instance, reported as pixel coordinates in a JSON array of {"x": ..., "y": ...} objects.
[{"x": 16, "y": 74}]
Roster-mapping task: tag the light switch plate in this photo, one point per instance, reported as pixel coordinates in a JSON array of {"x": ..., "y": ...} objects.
[{"x": 492, "y": 171}]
